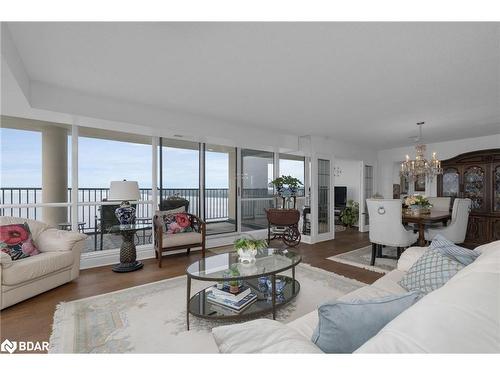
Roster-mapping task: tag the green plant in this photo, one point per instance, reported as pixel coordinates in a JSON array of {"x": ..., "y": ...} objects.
[
  {"x": 233, "y": 272},
  {"x": 286, "y": 182},
  {"x": 349, "y": 215},
  {"x": 249, "y": 243}
]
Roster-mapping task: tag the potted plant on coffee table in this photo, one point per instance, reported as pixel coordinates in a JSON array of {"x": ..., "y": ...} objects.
[{"x": 247, "y": 248}]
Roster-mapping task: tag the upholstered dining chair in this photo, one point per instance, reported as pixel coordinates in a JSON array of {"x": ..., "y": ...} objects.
[
  {"x": 457, "y": 228},
  {"x": 386, "y": 227},
  {"x": 440, "y": 203}
]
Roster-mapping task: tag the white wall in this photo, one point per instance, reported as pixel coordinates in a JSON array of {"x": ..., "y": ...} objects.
[
  {"x": 349, "y": 177},
  {"x": 389, "y": 161}
]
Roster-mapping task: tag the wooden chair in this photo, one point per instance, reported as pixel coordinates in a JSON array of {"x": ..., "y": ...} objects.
[{"x": 184, "y": 240}]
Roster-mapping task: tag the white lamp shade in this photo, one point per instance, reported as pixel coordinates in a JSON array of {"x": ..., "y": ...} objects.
[{"x": 124, "y": 191}]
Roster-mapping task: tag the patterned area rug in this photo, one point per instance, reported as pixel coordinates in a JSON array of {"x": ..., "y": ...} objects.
[
  {"x": 152, "y": 318},
  {"x": 362, "y": 257}
]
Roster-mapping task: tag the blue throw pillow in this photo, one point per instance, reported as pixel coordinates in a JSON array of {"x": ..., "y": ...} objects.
[
  {"x": 430, "y": 272},
  {"x": 344, "y": 326},
  {"x": 449, "y": 249}
]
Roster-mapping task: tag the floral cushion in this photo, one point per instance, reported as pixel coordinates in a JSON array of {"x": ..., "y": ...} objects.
[
  {"x": 177, "y": 223},
  {"x": 16, "y": 241}
]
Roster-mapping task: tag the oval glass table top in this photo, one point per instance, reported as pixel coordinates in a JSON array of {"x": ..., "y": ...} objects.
[{"x": 228, "y": 267}]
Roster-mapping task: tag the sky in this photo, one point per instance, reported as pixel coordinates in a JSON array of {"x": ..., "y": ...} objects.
[{"x": 102, "y": 161}]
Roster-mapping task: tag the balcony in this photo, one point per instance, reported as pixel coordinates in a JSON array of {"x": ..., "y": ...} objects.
[{"x": 217, "y": 208}]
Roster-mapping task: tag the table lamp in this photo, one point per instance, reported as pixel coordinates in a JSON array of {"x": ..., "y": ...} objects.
[{"x": 124, "y": 191}]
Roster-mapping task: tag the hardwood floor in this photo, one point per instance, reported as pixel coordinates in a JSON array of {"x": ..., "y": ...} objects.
[{"x": 31, "y": 320}]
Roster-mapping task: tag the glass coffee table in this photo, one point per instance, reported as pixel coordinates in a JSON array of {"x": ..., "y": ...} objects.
[{"x": 261, "y": 276}]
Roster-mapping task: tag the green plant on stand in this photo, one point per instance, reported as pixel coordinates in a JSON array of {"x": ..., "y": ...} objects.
[
  {"x": 287, "y": 188},
  {"x": 349, "y": 215}
]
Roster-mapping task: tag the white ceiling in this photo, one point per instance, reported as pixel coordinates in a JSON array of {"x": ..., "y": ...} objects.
[{"x": 365, "y": 83}]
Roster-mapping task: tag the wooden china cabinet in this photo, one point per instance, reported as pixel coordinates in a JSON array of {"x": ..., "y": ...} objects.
[{"x": 475, "y": 175}]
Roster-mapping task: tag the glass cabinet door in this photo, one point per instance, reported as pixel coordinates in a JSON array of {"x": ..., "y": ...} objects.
[
  {"x": 451, "y": 182},
  {"x": 323, "y": 196},
  {"x": 496, "y": 188},
  {"x": 474, "y": 186}
]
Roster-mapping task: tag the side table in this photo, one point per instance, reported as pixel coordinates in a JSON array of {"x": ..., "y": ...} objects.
[{"x": 128, "y": 254}]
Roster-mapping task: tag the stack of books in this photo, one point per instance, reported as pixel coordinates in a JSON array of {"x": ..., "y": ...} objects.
[{"x": 234, "y": 302}]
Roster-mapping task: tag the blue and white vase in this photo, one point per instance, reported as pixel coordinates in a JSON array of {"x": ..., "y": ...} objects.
[{"x": 125, "y": 214}]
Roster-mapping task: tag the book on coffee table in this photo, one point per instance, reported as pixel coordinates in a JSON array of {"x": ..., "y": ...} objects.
[
  {"x": 236, "y": 306},
  {"x": 225, "y": 294}
]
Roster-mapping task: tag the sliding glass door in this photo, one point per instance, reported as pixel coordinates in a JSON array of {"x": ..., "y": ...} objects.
[
  {"x": 257, "y": 195},
  {"x": 220, "y": 189}
]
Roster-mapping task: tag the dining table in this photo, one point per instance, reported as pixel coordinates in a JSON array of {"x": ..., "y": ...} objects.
[{"x": 424, "y": 220}]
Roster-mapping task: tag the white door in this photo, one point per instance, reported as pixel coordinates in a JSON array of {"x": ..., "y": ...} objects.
[{"x": 366, "y": 191}]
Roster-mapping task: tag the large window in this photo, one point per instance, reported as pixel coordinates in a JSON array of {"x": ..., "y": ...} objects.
[
  {"x": 180, "y": 172},
  {"x": 256, "y": 175},
  {"x": 220, "y": 189},
  {"x": 106, "y": 156}
]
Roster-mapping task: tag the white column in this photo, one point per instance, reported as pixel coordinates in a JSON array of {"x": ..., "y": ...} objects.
[
  {"x": 154, "y": 174},
  {"x": 54, "y": 173},
  {"x": 232, "y": 185},
  {"x": 74, "y": 177}
]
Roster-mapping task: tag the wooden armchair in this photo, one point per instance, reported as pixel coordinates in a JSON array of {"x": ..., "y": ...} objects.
[{"x": 164, "y": 241}]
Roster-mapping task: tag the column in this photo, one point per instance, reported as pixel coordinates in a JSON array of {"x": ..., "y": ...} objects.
[
  {"x": 232, "y": 183},
  {"x": 54, "y": 173}
]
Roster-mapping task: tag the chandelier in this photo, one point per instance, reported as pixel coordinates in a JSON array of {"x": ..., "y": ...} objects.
[{"x": 413, "y": 169}]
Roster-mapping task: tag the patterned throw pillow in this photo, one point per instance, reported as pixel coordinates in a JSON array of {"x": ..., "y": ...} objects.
[
  {"x": 449, "y": 249},
  {"x": 16, "y": 241},
  {"x": 430, "y": 272},
  {"x": 177, "y": 223}
]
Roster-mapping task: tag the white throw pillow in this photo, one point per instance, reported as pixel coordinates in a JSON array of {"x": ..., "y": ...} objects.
[{"x": 261, "y": 336}]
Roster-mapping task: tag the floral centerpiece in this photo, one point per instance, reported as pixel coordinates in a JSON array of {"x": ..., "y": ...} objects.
[
  {"x": 247, "y": 248},
  {"x": 418, "y": 204}
]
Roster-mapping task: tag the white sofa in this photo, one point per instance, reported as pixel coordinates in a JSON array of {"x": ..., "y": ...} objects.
[
  {"x": 463, "y": 316},
  {"x": 58, "y": 262}
]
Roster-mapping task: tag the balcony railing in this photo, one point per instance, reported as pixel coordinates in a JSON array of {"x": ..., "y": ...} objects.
[
  {"x": 216, "y": 209},
  {"x": 217, "y": 204}
]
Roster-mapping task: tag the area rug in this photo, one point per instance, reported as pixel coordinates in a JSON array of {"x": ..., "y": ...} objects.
[
  {"x": 152, "y": 318},
  {"x": 362, "y": 257}
]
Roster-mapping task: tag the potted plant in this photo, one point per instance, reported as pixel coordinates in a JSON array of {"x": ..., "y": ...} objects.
[
  {"x": 287, "y": 188},
  {"x": 234, "y": 285},
  {"x": 350, "y": 215},
  {"x": 247, "y": 248},
  {"x": 418, "y": 204}
]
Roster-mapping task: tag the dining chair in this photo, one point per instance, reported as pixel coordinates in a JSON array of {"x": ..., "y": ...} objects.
[
  {"x": 386, "y": 227},
  {"x": 457, "y": 228},
  {"x": 440, "y": 203}
]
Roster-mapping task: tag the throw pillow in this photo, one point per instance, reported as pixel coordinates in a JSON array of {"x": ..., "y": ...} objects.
[
  {"x": 449, "y": 249},
  {"x": 344, "y": 326},
  {"x": 16, "y": 241},
  {"x": 177, "y": 223},
  {"x": 430, "y": 272}
]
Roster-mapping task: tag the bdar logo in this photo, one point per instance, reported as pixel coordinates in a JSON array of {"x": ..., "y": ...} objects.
[{"x": 8, "y": 346}]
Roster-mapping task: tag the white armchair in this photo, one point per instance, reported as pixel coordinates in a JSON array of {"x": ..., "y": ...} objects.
[
  {"x": 456, "y": 230},
  {"x": 386, "y": 227},
  {"x": 57, "y": 263}
]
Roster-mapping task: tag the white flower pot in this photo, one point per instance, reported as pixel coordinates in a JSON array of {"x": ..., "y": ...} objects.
[{"x": 247, "y": 255}]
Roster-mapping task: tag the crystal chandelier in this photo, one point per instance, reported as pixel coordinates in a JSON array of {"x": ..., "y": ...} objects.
[{"x": 413, "y": 169}]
